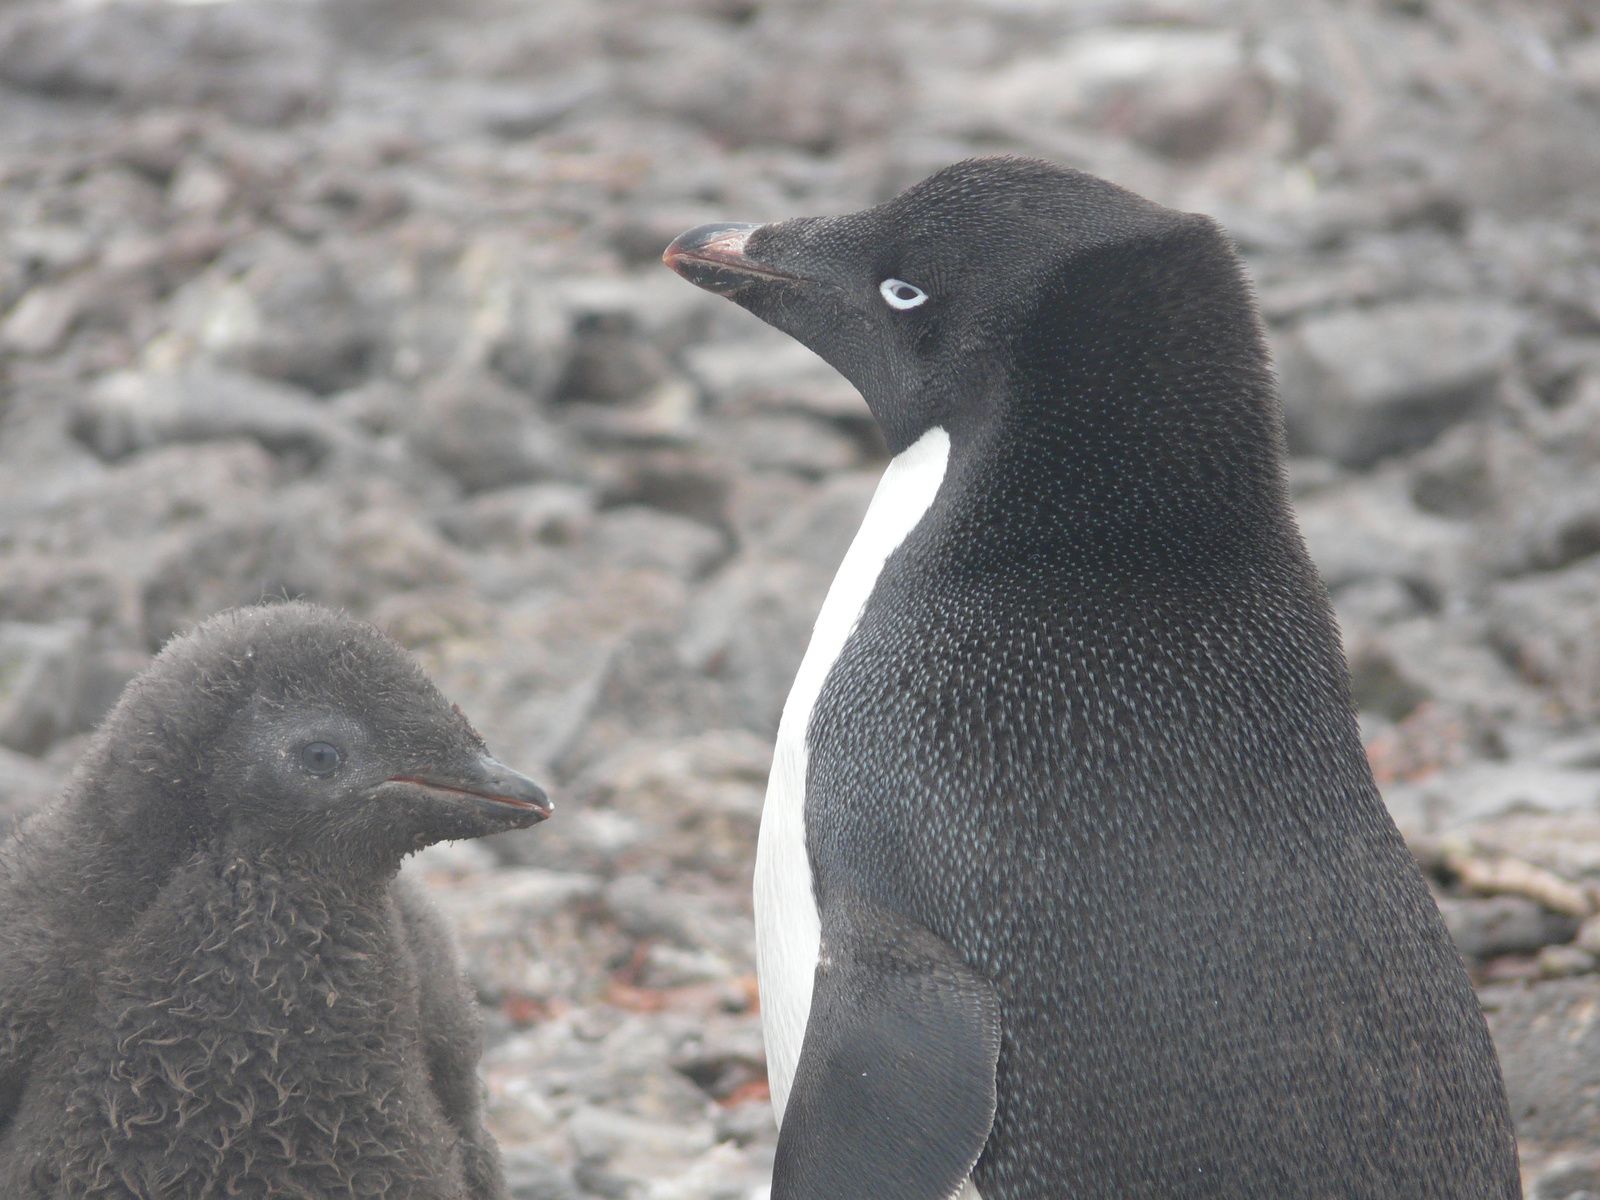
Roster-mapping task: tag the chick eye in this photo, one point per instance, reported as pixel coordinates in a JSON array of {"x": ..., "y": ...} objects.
[
  {"x": 320, "y": 758},
  {"x": 900, "y": 294}
]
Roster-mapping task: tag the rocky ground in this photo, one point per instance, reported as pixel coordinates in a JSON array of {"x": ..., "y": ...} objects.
[{"x": 359, "y": 300}]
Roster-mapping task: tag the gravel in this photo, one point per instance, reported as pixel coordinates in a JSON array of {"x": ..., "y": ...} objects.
[{"x": 359, "y": 300}]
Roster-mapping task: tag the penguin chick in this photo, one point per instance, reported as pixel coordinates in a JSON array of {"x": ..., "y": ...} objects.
[
  {"x": 211, "y": 982},
  {"x": 1072, "y": 878}
]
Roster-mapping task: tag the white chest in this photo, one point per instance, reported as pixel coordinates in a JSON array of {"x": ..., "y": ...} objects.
[{"x": 788, "y": 927}]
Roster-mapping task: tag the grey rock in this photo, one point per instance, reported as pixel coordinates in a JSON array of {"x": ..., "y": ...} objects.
[
  {"x": 644, "y": 909},
  {"x": 485, "y": 434},
  {"x": 636, "y": 537},
  {"x": 1366, "y": 529},
  {"x": 260, "y": 64},
  {"x": 40, "y": 321},
  {"x": 1362, "y": 385},
  {"x": 653, "y": 308},
  {"x": 1482, "y": 791},
  {"x": 1184, "y": 93},
  {"x": 1569, "y": 1177},
  {"x": 775, "y": 82},
  {"x": 533, "y": 1175},
  {"x": 346, "y": 551},
  {"x": 1548, "y": 1036},
  {"x": 1546, "y": 511},
  {"x": 1443, "y": 661},
  {"x": 691, "y": 482},
  {"x": 1563, "y": 962},
  {"x": 1563, "y": 841},
  {"x": 532, "y": 936},
  {"x": 637, "y": 1148},
  {"x": 131, "y": 411},
  {"x": 26, "y": 783},
  {"x": 643, "y": 688},
  {"x": 765, "y": 372},
  {"x": 748, "y": 628},
  {"x": 1485, "y": 927},
  {"x": 42, "y": 676},
  {"x": 791, "y": 442},
  {"x": 1380, "y": 684},
  {"x": 457, "y": 304},
  {"x": 689, "y": 801},
  {"x": 1548, "y": 629},
  {"x": 721, "y": 1173},
  {"x": 1463, "y": 473},
  {"x": 610, "y": 362},
  {"x": 747, "y": 631},
  {"x": 535, "y": 514},
  {"x": 1368, "y": 604},
  {"x": 274, "y": 308}
]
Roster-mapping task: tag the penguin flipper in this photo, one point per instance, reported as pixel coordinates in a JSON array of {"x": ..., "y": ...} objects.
[{"x": 894, "y": 1094}]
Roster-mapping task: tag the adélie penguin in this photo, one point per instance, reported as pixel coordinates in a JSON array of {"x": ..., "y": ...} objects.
[
  {"x": 1073, "y": 881},
  {"x": 211, "y": 983}
]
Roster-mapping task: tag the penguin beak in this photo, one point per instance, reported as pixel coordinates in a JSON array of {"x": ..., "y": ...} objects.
[
  {"x": 713, "y": 257},
  {"x": 491, "y": 784}
]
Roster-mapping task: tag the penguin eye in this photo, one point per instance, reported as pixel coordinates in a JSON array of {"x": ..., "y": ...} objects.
[
  {"x": 900, "y": 294},
  {"x": 320, "y": 758}
]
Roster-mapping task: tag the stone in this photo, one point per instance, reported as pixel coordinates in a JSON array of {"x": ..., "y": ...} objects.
[
  {"x": 1569, "y": 1177},
  {"x": 277, "y": 309},
  {"x": 347, "y": 551},
  {"x": 1363, "y": 385},
  {"x": 42, "y": 674},
  {"x": 1481, "y": 791},
  {"x": 259, "y": 64},
  {"x": 747, "y": 631},
  {"x": 635, "y": 537},
  {"x": 766, "y": 372},
  {"x": 533, "y": 1175},
  {"x": 485, "y": 434},
  {"x": 610, "y": 362},
  {"x": 1182, "y": 93},
  {"x": 520, "y": 517},
  {"x": 1486, "y": 926},
  {"x": 644, "y": 909},
  {"x": 1548, "y": 629},
  {"x": 26, "y": 783},
  {"x": 792, "y": 442},
  {"x": 634, "y": 1146},
  {"x": 44, "y": 316},
  {"x": 1548, "y": 1036},
  {"x": 1562, "y": 962},
  {"x": 130, "y": 411},
  {"x": 1371, "y": 528}
]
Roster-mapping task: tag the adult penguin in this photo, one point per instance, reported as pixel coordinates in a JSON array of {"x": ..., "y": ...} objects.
[{"x": 1073, "y": 878}]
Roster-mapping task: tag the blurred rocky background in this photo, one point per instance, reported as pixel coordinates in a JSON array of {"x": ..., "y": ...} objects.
[{"x": 359, "y": 300}]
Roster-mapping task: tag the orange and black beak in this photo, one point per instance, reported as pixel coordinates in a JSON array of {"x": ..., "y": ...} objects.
[{"x": 714, "y": 257}]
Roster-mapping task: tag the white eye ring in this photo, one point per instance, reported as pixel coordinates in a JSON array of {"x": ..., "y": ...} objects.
[{"x": 897, "y": 293}]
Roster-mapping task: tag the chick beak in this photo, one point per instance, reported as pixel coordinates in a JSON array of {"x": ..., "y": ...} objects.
[{"x": 489, "y": 782}]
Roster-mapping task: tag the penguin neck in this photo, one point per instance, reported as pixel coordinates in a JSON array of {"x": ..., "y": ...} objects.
[
  {"x": 359, "y": 879},
  {"x": 1143, "y": 448},
  {"x": 296, "y": 882}
]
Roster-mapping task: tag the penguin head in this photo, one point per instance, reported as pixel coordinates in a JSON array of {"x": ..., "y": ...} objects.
[
  {"x": 968, "y": 299},
  {"x": 291, "y": 729}
]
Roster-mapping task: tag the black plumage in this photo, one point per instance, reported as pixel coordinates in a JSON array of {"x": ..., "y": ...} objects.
[
  {"x": 1090, "y": 737},
  {"x": 211, "y": 982}
]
